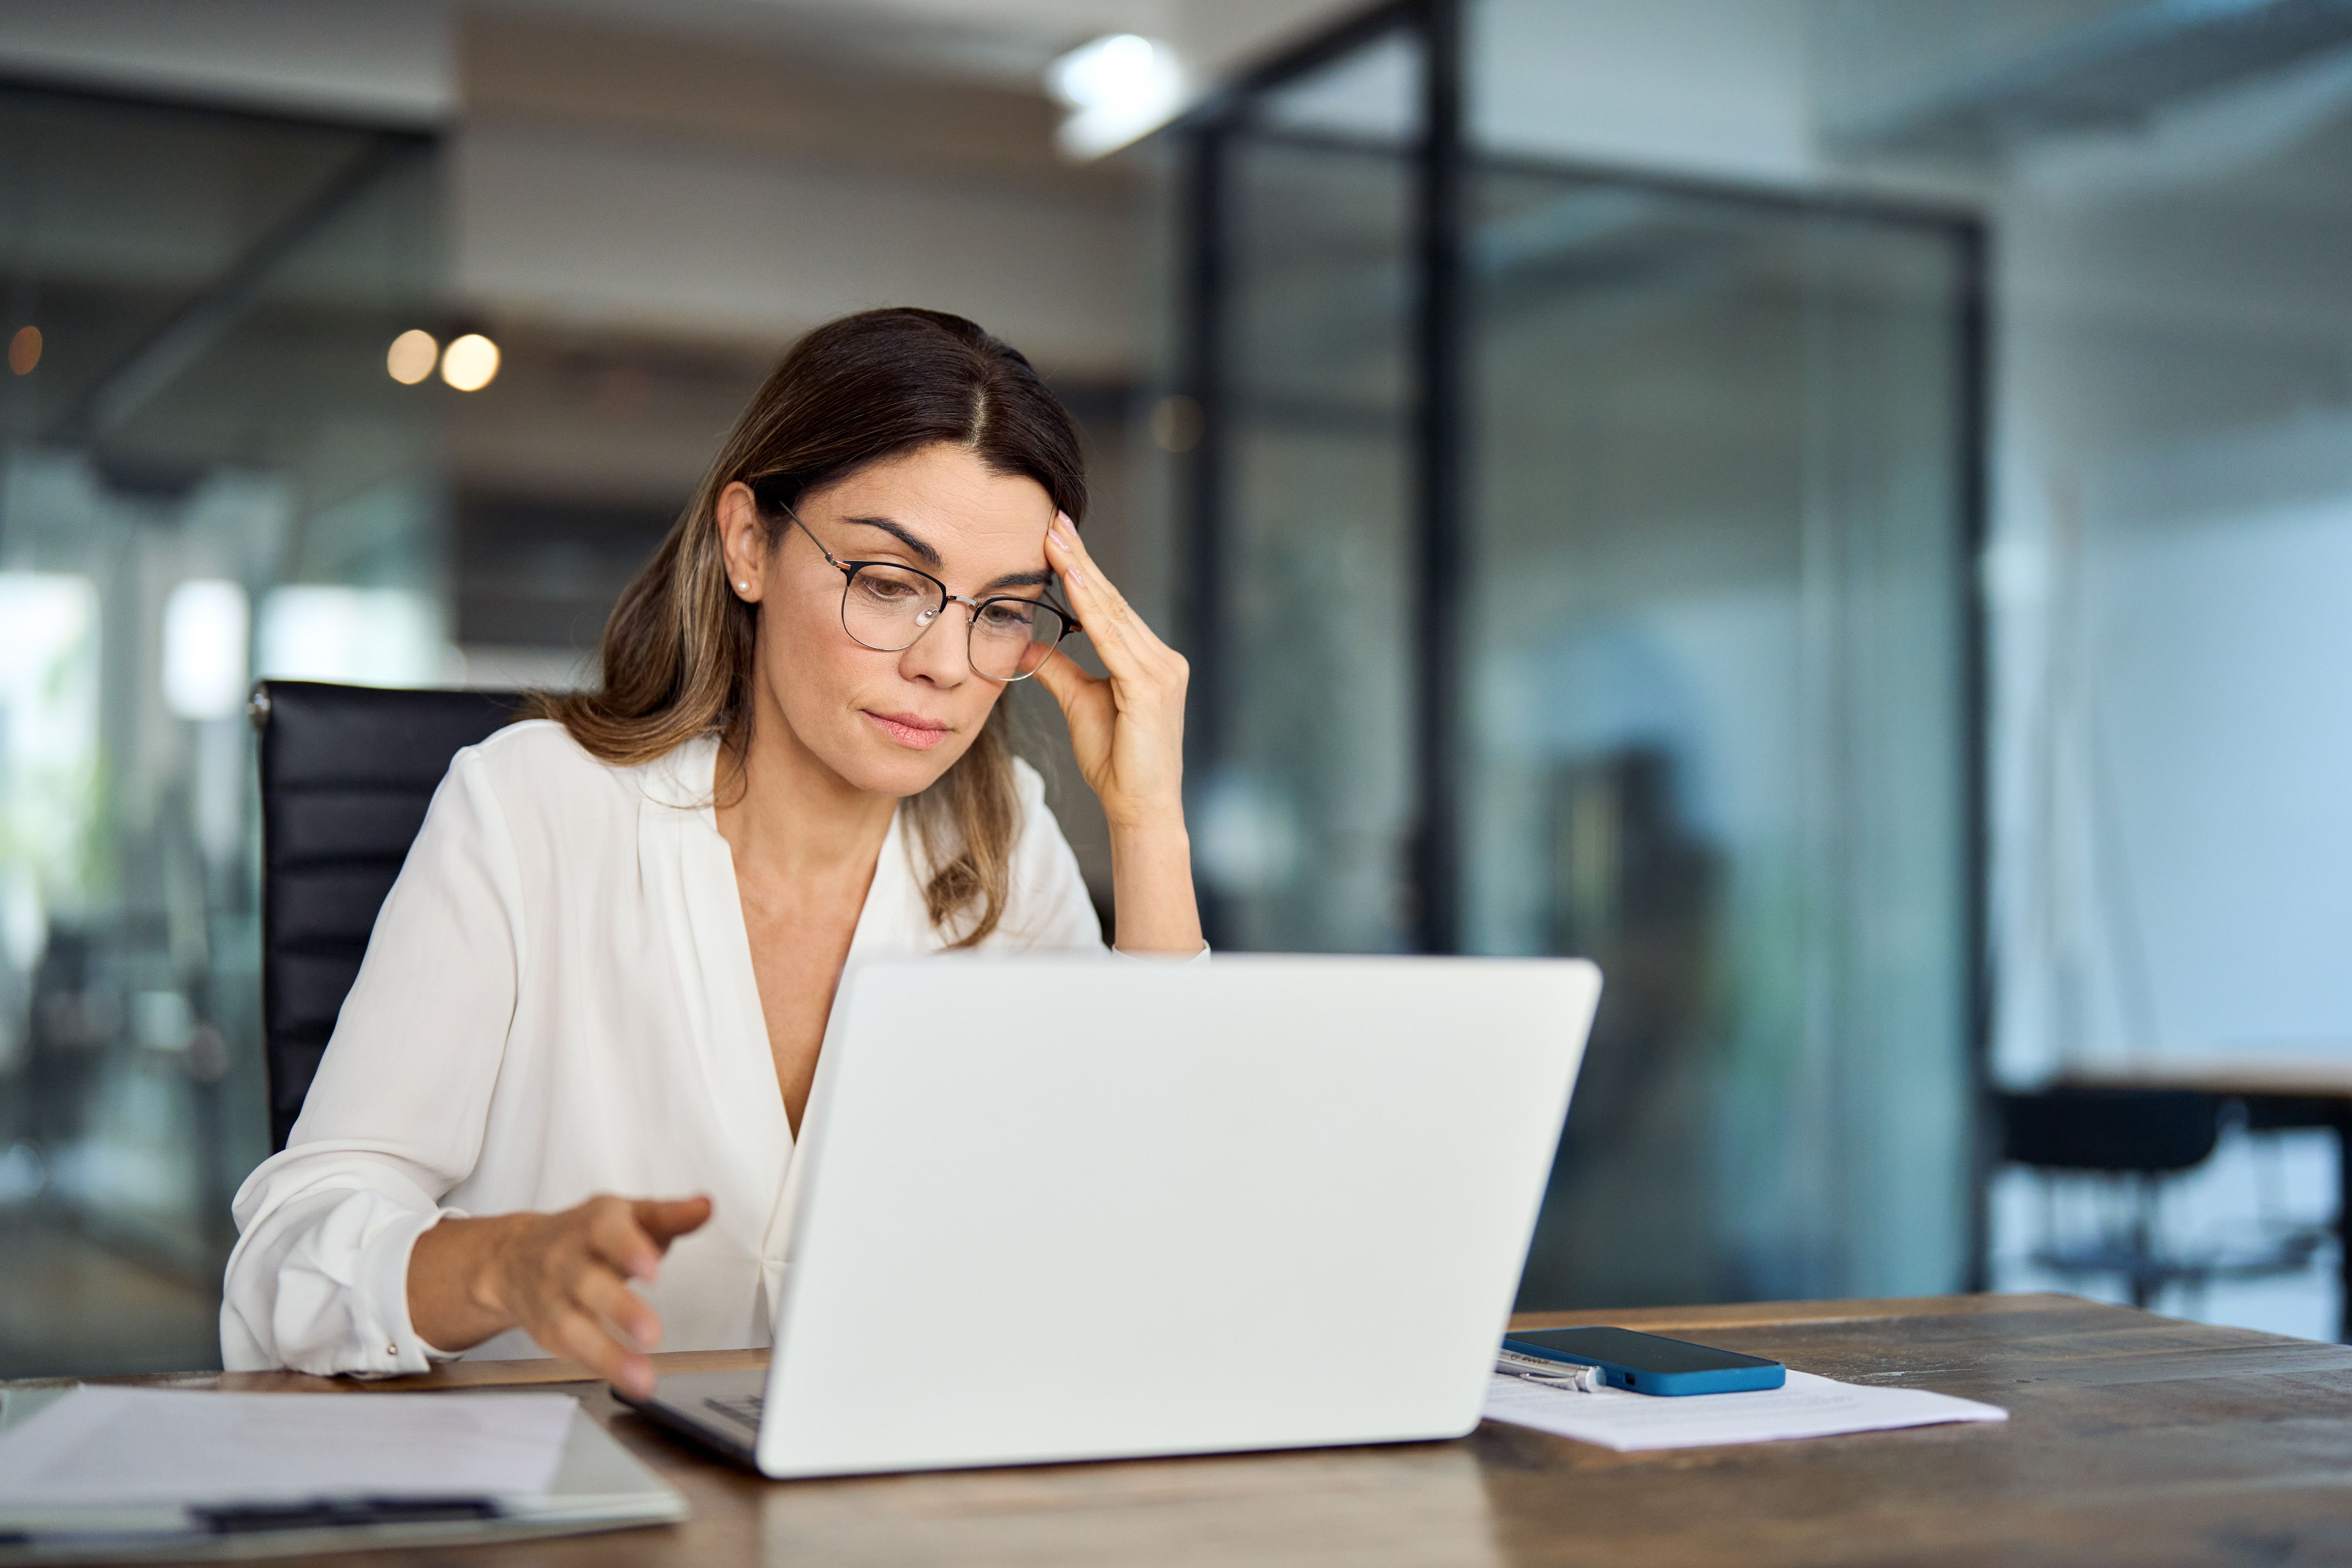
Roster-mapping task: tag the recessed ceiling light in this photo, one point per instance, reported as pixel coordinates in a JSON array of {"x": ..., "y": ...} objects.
[
  {"x": 1117, "y": 88},
  {"x": 411, "y": 356},
  {"x": 469, "y": 363}
]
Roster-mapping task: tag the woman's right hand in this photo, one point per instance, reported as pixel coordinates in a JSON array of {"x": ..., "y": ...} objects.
[{"x": 563, "y": 1279}]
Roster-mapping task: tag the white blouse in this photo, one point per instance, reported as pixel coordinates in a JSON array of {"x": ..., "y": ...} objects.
[{"x": 558, "y": 1001}]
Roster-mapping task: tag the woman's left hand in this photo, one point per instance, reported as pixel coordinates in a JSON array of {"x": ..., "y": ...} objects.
[{"x": 1127, "y": 732}]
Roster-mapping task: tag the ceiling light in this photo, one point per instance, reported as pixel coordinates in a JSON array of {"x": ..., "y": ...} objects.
[
  {"x": 24, "y": 351},
  {"x": 1117, "y": 88},
  {"x": 469, "y": 363},
  {"x": 412, "y": 356}
]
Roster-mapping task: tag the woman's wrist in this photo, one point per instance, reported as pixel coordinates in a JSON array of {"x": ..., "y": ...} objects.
[
  {"x": 1155, "y": 841},
  {"x": 1151, "y": 886},
  {"x": 1155, "y": 819},
  {"x": 485, "y": 1282},
  {"x": 456, "y": 1284}
]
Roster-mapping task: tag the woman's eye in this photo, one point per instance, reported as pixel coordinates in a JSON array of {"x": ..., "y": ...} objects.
[
  {"x": 888, "y": 590},
  {"x": 1005, "y": 616}
]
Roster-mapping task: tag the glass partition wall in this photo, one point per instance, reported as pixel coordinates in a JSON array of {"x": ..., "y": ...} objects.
[
  {"x": 1307, "y": 812},
  {"x": 206, "y": 475},
  {"x": 1580, "y": 568}
]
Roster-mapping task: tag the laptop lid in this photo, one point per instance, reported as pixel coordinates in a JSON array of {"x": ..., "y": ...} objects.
[{"x": 1074, "y": 1207}]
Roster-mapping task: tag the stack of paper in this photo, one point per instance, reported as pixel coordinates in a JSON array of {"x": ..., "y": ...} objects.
[
  {"x": 110, "y": 1469},
  {"x": 1806, "y": 1406}
]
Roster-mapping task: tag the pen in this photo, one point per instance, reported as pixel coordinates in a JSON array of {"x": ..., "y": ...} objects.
[
  {"x": 1563, "y": 1376},
  {"x": 340, "y": 1512}
]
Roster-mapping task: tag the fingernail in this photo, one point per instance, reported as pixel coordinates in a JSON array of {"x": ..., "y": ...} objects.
[
  {"x": 1062, "y": 530},
  {"x": 1076, "y": 578}
]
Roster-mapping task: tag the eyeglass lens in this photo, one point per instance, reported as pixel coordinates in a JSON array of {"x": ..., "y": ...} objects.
[{"x": 887, "y": 608}]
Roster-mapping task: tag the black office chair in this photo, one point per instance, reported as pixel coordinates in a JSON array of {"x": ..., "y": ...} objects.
[
  {"x": 346, "y": 775},
  {"x": 2142, "y": 1136}
]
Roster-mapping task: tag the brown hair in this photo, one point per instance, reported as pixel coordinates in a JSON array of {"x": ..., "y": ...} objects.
[{"x": 677, "y": 650}]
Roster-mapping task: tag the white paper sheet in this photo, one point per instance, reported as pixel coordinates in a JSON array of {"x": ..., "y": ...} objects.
[
  {"x": 117, "y": 1446},
  {"x": 1806, "y": 1406}
]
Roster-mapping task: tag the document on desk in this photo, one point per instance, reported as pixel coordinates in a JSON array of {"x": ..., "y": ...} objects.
[
  {"x": 100, "y": 1444},
  {"x": 247, "y": 1474},
  {"x": 1805, "y": 1406}
]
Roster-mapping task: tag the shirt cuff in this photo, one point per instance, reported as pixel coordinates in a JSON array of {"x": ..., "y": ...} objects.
[
  {"x": 1200, "y": 957},
  {"x": 384, "y": 1279}
]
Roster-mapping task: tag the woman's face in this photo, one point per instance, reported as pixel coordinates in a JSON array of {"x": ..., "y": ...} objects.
[{"x": 887, "y": 723}]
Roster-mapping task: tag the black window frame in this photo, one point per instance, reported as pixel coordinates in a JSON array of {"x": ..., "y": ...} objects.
[{"x": 1204, "y": 142}]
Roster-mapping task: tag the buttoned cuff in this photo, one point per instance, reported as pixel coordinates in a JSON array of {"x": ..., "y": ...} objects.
[{"x": 383, "y": 1278}]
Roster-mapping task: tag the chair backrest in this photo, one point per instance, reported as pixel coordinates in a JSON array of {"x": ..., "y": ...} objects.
[
  {"x": 346, "y": 775},
  {"x": 2143, "y": 1131}
]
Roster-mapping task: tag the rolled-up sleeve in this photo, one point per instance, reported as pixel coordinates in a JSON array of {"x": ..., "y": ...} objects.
[{"x": 318, "y": 1279}]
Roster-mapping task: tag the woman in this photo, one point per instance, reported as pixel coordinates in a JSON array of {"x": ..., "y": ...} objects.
[{"x": 609, "y": 962}]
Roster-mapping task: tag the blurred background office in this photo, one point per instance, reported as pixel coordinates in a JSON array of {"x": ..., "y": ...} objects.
[{"x": 1836, "y": 508}]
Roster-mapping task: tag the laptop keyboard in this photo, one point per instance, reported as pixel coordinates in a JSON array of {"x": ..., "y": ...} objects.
[{"x": 743, "y": 1408}]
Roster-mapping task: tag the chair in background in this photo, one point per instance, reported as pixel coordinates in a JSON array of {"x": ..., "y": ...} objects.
[
  {"x": 346, "y": 775},
  {"x": 2142, "y": 1137}
]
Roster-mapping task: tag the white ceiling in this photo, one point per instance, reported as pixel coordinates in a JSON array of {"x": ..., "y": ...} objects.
[
  {"x": 396, "y": 59},
  {"x": 1004, "y": 40}
]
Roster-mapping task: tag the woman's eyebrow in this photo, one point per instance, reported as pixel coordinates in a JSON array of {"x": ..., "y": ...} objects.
[
  {"x": 923, "y": 553},
  {"x": 931, "y": 556}
]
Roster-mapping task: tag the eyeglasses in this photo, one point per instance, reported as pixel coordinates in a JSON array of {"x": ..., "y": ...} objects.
[{"x": 887, "y": 607}]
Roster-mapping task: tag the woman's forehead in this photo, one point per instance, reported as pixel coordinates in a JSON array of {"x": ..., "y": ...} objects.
[
  {"x": 948, "y": 476},
  {"x": 942, "y": 501}
]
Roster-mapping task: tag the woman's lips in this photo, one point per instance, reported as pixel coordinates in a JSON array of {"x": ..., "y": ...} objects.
[{"x": 910, "y": 729}]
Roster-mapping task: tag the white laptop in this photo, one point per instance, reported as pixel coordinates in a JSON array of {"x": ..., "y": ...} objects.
[{"x": 1080, "y": 1208}]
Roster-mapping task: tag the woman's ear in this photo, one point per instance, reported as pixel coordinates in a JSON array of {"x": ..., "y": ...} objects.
[{"x": 743, "y": 541}]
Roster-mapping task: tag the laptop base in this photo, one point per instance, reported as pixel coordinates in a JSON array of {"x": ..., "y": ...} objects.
[{"x": 710, "y": 1408}]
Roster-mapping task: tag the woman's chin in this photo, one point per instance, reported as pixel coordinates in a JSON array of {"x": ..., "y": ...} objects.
[{"x": 886, "y": 768}]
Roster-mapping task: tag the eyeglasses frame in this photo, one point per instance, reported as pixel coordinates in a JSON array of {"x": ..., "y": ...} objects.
[{"x": 850, "y": 568}]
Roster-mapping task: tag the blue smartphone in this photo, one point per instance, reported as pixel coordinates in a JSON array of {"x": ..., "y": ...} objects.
[{"x": 1645, "y": 1363}]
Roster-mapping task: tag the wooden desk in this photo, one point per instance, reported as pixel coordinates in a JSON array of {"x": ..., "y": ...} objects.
[
  {"x": 2281, "y": 1091},
  {"x": 2134, "y": 1440}
]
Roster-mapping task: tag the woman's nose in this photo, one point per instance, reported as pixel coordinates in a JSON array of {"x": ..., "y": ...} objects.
[{"x": 937, "y": 654}]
